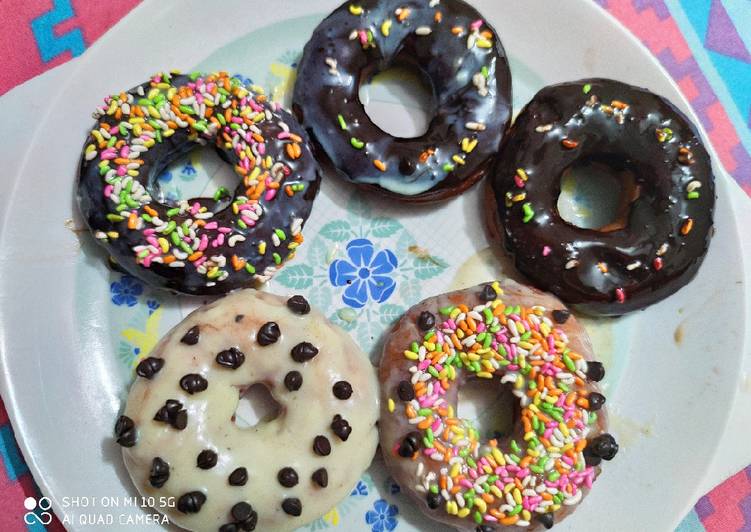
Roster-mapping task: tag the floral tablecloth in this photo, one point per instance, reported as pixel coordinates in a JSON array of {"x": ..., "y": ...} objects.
[{"x": 704, "y": 44}]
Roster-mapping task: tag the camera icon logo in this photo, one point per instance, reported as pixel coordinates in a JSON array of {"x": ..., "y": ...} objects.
[{"x": 38, "y": 511}]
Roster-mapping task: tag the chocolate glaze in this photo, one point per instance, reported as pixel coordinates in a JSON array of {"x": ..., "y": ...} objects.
[
  {"x": 648, "y": 258},
  {"x": 277, "y": 214},
  {"x": 322, "y": 93}
]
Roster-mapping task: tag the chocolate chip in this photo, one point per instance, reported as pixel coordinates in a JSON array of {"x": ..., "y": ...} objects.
[
  {"x": 231, "y": 358},
  {"x": 293, "y": 381},
  {"x": 298, "y": 305},
  {"x": 242, "y": 513},
  {"x": 603, "y": 446},
  {"x": 168, "y": 411},
  {"x": 303, "y": 352},
  {"x": 238, "y": 477},
  {"x": 321, "y": 477},
  {"x": 239, "y": 318},
  {"x": 125, "y": 431},
  {"x": 405, "y": 391},
  {"x": 342, "y": 390},
  {"x": 591, "y": 460},
  {"x": 595, "y": 371},
  {"x": 191, "y": 502},
  {"x": 410, "y": 444},
  {"x": 321, "y": 446},
  {"x": 191, "y": 337},
  {"x": 426, "y": 320},
  {"x": 434, "y": 500},
  {"x": 228, "y": 527},
  {"x": 268, "y": 334},
  {"x": 148, "y": 367},
  {"x": 406, "y": 166},
  {"x": 173, "y": 413},
  {"x": 596, "y": 400},
  {"x": 181, "y": 420},
  {"x": 292, "y": 506},
  {"x": 287, "y": 477},
  {"x": 206, "y": 459},
  {"x": 341, "y": 427},
  {"x": 561, "y": 315},
  {"x": 547, "y": 520},
  {"x": 488, "y": 293},
  {"x": 193, "y": 383},
  {"x": 159, "y": 473}
]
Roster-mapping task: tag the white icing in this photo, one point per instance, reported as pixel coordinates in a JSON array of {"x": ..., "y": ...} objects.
[{"x": 287, "y": 441}]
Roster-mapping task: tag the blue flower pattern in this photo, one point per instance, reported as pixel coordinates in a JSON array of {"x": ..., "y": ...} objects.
[
  {"x": 365, "y": 274},
  {"x": 152, "y": 305},
  {"x": 165, "y": 177},
  {"x": 188, "y": 172},
  {"x": 361, "y": 489},
  {"x": 382, "y": 517},
  {"x": 126, "y": 291}
]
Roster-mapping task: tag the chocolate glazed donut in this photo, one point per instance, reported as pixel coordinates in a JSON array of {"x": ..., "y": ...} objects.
[
  {"x": 199, "y": 245},
  {"x": 451, "y": 44},
  {"x": 660, "y": 242}
]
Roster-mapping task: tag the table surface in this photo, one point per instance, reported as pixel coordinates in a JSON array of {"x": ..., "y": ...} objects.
[{"x": 705, "y": 45}]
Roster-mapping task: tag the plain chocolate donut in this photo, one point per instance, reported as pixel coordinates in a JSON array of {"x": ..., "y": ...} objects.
[
  {"x": 663, "y": 237},
  {"x": 459, "y": 53}
]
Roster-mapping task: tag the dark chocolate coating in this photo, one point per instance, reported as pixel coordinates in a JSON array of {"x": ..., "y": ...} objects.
[
  {"x": 445, "y": 60},
  {"x": 277, "y": 213},
  {"x": 650, "y": 257}
]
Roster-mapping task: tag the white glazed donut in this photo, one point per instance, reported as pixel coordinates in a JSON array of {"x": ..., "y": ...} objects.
[{"x": 179, "y": 439}]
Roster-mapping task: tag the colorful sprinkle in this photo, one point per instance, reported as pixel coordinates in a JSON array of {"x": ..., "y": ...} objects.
[
  {"x": 480, "y": 480},
  {"x": 386, "y": 27},
  {"x": 664, "y": 134},
  {"x": 569, "y": 144},
  {"x": 213, "y": 108},
  {"x": 529, "y": 212},
  {"x": 620, "y": 295},
  {"x": 688, "y": 224}
]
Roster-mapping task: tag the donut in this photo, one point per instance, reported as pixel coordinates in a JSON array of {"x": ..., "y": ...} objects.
[
  {"x": 457, "y": 51},
  {"x": 657, "y": 244},
  {"x": 199, "y": 245},
  {"x": 178, "y": 438},
  {"x": 530, "y": 478}
]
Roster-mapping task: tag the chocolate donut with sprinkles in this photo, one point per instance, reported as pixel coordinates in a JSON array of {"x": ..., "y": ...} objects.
[
  {"x": 527, "y": 340},
  {"x": 180, "y": 441},
  {"x": 458, "y": 52},
  {"x": 661, "y": 235},
  {"x": 200, "y": 245}
]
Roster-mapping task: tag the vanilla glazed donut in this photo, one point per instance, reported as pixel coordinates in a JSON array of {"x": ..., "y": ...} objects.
[
  {"x": 456, "y": 49},
  {"x": 177, "y": 432},
  {"x": 529, "y": 479},
  {"x": 199, "y": 245}
]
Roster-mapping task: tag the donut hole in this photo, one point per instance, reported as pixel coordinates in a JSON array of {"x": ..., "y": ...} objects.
[
  {"x": 399, "y": 100},
  {"x": 256, "y": 406},
  {"x": 490, "y": 405},
  {"x": 598, "y": 192},
  {"x": 199, "y": 173}
]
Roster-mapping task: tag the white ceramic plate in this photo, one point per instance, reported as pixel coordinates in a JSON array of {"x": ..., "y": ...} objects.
[{"x": 70, "y": 330}]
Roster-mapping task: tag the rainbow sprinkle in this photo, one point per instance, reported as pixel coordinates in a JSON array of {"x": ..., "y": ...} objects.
[
  {"x": 214, "y": 108},
  {"x": 479, "y": 480}
]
